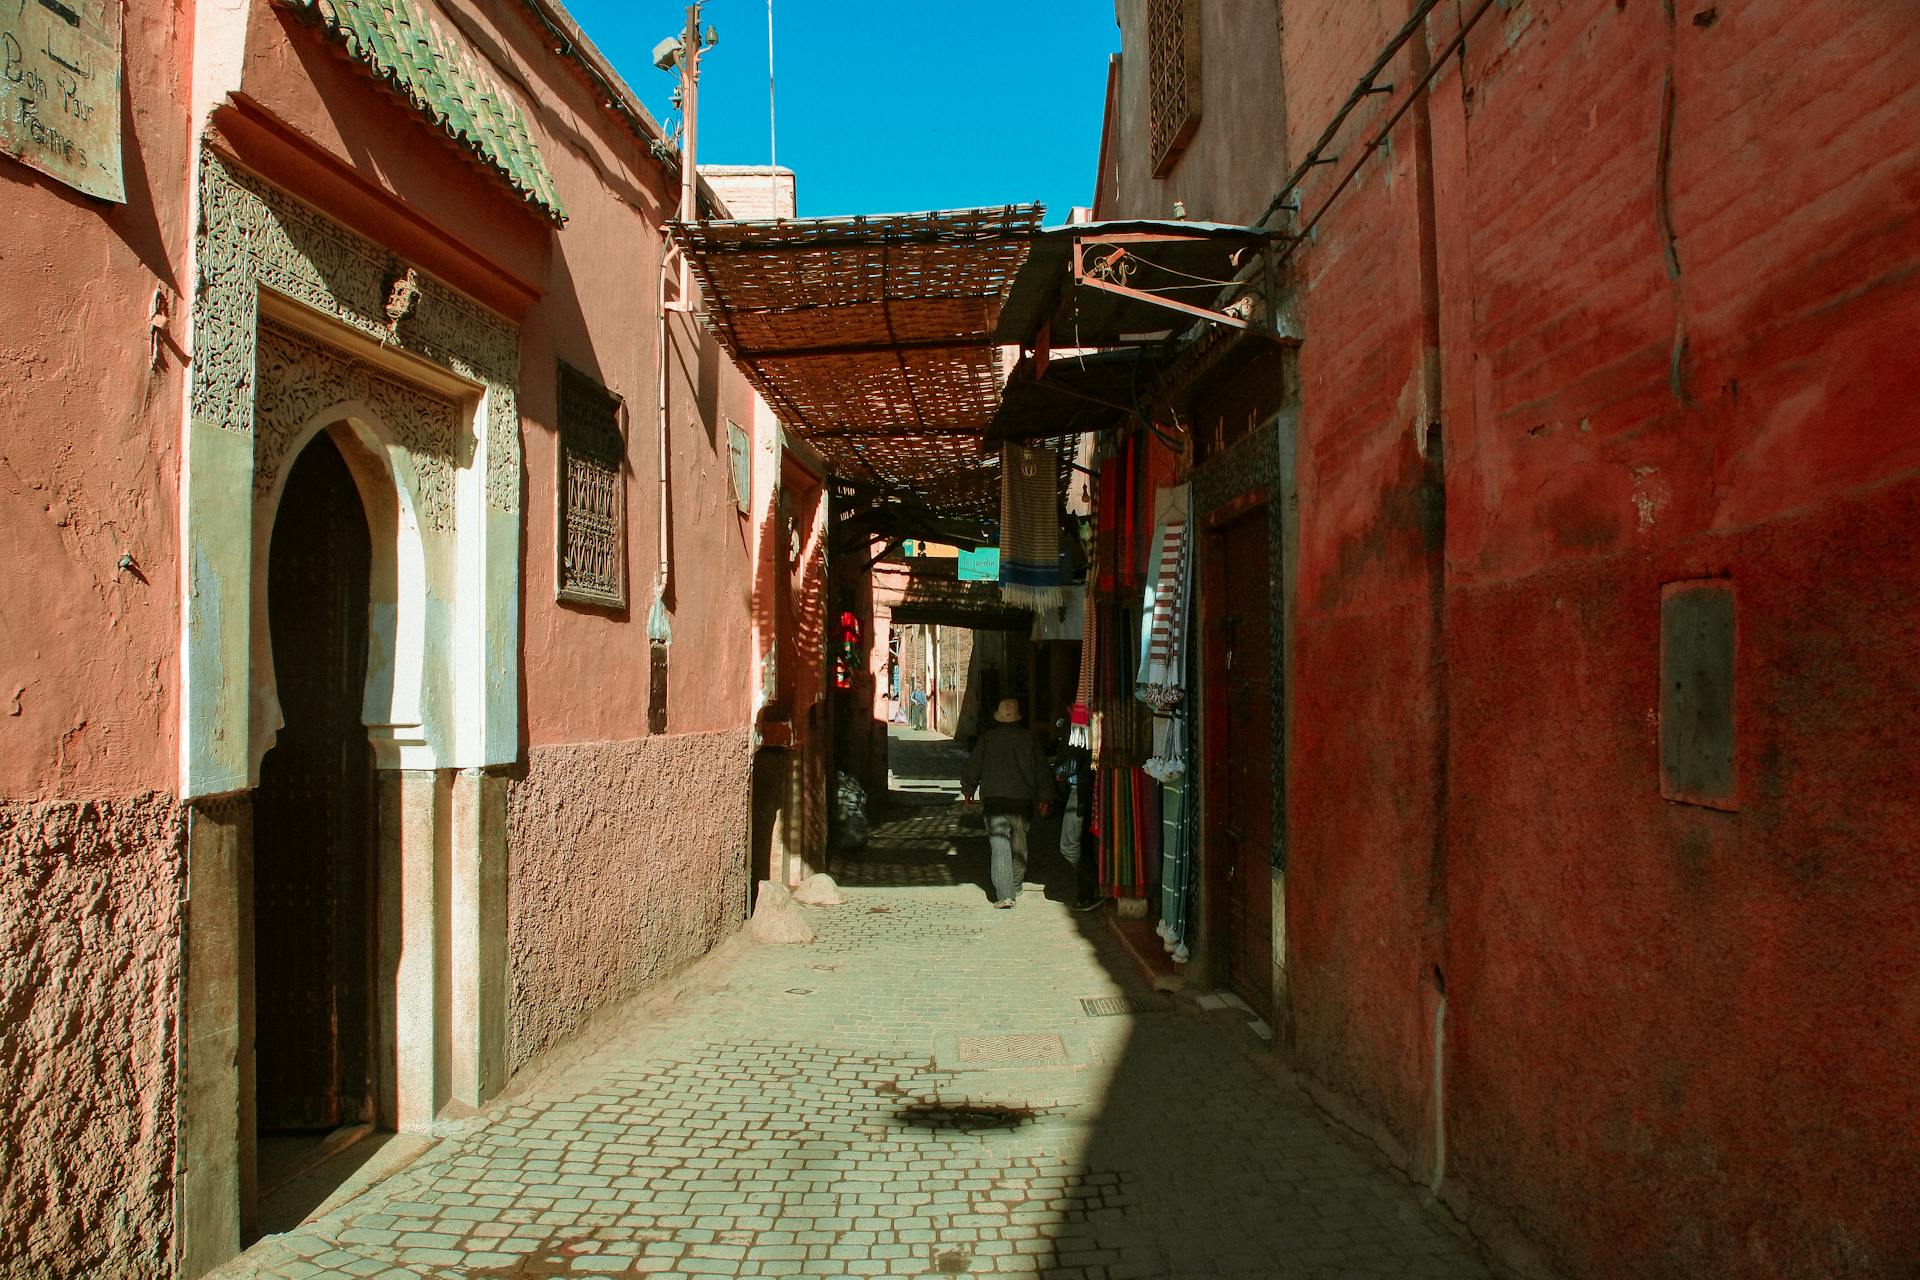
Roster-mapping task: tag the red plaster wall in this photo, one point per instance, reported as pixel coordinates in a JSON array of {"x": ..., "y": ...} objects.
[
  {"x": 1365, "y": 712},
  {"x": 1683, "y": 1039},
  {"x": 89, "y": 454},
  {"x": 1679, "y": 1042}
]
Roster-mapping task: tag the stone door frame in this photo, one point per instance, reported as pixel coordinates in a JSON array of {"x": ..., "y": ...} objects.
[{"x": 300, "y": 325}]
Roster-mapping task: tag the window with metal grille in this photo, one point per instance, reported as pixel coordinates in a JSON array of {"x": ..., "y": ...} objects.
[
  {"x": 1173, "y": 79},
  {"x": 593, "y": 508}
]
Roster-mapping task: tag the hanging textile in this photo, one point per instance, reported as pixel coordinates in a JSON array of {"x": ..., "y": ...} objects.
[
  {"x": 1067, "y": 621},
  {"x": 1176, "y": 868},
  {"x": 1033, "y": 563},
  {"x": 1102, "y": 573},
  {"x": 1122, "y": 735},
  {"x": 1160, "y": 680},
  {"x": 1129, "y": 568},
  {"x": 1079, "y": 732},
  {"x": 1131, "y": 837},
  {"x": 1179, "y": 835}
]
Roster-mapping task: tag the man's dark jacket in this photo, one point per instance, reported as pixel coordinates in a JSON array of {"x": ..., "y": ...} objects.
[{"x": 1008, "y": 771}]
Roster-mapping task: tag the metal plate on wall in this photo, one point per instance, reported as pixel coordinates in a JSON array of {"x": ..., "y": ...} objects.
[
  {"x": 60, "y": 91},
  {"x": 1696, "y": 693}
]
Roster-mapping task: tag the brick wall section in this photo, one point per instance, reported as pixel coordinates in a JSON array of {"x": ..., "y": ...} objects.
[
  {"x": 628, "y": 860},
  {"x": 89, "y": 988},
  {"x": 752, "y": 192}
]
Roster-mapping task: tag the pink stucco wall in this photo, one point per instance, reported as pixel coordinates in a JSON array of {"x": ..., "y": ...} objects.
[
  {"x": 91, "y": 864},
  {"x": 1660, "y": 266},
  {"x": 91, "y": 867},
  {"x": 629, "y": 861},
  {"x": 595, "y": 782},
  {"x": 89, "y": 985},
  {"x": 89, "y": 457}
]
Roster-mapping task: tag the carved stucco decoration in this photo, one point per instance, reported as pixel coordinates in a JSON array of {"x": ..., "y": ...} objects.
[
  {"x": 299, "y": 376},
  {"x": 255, "y": 237}
]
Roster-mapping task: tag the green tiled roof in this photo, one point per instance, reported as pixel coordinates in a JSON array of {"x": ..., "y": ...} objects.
[{"x": 436, "y": 73}]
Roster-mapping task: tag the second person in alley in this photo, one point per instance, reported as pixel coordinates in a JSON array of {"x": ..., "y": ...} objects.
[{"x": 1009, "y": 773}]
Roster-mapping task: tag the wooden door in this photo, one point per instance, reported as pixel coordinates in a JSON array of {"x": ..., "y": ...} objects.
[
  {"x": 313, "y": 828},
  {"x": 1239, "y": 741}
]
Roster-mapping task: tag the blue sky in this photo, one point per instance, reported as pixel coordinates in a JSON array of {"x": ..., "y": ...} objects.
[{"x": 891, "y": 107}]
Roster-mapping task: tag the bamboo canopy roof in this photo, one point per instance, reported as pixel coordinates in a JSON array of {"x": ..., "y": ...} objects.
[{"x": 872, "y": 336}]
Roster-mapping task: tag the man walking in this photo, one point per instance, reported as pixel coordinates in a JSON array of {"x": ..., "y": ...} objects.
[{"x": 1010, "y": 773}]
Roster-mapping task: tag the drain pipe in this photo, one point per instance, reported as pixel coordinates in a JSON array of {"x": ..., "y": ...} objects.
[
  {"x": 659, "y": 626},
  {"x": 687, "y": 58}
]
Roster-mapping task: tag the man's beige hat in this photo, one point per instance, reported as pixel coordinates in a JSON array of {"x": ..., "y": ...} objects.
[{"x": 1008, "y": 712}]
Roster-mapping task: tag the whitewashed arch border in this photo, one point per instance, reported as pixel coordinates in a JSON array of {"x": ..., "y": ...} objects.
[
  {"x": 260, "y": 253},
  {"x": 291, "y": 336}
]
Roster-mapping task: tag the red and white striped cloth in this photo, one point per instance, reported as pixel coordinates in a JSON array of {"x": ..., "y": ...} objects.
[{"x": 1161, "y": 680}]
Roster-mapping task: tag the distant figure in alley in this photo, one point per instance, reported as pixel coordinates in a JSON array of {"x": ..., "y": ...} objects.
[{"x": 1009, "y": 772}]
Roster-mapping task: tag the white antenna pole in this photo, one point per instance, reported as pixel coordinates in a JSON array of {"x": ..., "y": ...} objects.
[{"x": 773, "y": 163}]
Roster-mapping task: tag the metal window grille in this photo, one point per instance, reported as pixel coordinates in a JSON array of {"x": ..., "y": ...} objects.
[
  {"x": 593, "y": 509},
  {"x": 1173, "y": 79}
]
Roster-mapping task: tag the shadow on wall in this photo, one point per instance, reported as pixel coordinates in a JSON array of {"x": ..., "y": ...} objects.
[{"x": 793, "y": 766}]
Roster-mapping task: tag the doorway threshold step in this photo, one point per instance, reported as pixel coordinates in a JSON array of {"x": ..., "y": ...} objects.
[{"x": 1144, "y": 946}]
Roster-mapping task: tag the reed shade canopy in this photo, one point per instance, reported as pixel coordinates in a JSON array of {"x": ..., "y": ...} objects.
[
  {"x": 1078, "y": 391},
  {"x": 872, "y": 337}
]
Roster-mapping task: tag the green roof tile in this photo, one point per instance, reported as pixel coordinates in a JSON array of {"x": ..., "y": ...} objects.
[{"x": 444, "y": 82}]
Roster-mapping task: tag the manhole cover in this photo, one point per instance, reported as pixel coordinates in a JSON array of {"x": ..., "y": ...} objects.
[
  {"x": 1113, "y": 1006},
  {"x": 1009, "y": 1050}
]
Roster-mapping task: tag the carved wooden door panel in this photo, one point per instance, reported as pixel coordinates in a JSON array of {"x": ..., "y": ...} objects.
[
  {"x": 313, "y": 845},
  {"x": 1241, "y": 743}
]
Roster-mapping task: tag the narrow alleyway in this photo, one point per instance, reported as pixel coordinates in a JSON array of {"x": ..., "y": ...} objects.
[{"x": 922, "y": 1091}]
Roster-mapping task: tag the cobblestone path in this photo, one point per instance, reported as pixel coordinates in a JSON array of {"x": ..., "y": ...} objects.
[{"x": 921, "y": 1092}]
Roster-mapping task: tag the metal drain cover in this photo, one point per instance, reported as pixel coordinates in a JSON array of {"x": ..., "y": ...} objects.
[
  {"x": 1113, "y": 1006},
  {"x": 1010, "y": 1051}
]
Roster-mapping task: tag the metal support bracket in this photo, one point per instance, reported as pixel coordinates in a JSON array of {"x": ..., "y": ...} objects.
[{"x": 1102, "y": 277}]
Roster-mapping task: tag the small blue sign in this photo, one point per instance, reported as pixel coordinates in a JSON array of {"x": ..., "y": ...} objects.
[{"x": 980, "y": 566}]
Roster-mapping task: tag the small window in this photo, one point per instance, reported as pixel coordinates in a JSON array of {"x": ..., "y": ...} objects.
[
  {"x": 1696, "y": 693},
  {"x": 593, "y": 508},
  {"x": 1173, "y": 79}
]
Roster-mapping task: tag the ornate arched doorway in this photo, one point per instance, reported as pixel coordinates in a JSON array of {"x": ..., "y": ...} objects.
[{"x": 313, "y": 848}]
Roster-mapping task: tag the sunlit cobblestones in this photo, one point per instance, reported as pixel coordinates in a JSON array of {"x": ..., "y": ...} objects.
[{"x": 787, "y": 1116}]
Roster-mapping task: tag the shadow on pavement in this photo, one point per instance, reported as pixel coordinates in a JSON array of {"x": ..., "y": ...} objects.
[{"x": 1196, "y": 1153}]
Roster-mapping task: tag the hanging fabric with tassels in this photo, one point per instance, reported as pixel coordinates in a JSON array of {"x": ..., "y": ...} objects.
[
  {"x": 1034, "y": 571},
  {"x": 1160, "y": 681}
]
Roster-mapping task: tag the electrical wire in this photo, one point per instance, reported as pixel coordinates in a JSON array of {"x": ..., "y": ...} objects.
[
  {"x": 1364, "y": 89},
  {"x": 1439, "y": 64}
]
